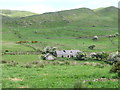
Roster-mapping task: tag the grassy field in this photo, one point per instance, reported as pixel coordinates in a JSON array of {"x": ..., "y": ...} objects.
[
  {"x": 66, "y": 30},
  {"x": 59, "y": 75},
  {"x": 61, "y": 37}
]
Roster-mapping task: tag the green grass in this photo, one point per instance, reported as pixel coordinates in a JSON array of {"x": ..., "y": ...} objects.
[
  {"x": 58, "y": 29},
  {"x": 61, "y": 37},
  {"x": 12, "y": 46},
  {"x": 21, "y": 58},
  {"x": 57, "y": 76}
]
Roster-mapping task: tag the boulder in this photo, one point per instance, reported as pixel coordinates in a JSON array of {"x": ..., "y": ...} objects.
[
  {"x": 49, "y": 57},
  {"x": 114, "y": 57}
]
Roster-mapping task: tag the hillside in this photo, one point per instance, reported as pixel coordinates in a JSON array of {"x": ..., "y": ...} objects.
[
  {"x": 63, "y": 29},
  {"x": 25, "y": 38},
  {"x": 107, "y": 12},
  {"x": 78, "y": 17},
  {"x": 15, "y": 13}
]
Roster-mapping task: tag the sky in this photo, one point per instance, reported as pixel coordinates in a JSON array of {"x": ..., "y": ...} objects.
[{"x": 42, "y": 6}]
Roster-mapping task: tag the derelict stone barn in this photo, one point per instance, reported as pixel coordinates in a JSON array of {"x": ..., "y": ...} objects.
[{"x": 66, "y": 53}]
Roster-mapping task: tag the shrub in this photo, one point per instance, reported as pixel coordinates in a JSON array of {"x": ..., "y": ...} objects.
[
  {"x": 3, "y": 61},
  {"x": 6, "y": 50},
  {"x": 116, "y": 68},
  {"x": 100, "y": 56},
  {"x": 28, "y": 66},
  {"x": 41, "y": 65},
  {"x": 15, "y": 63},
  {"x": 104, "y": 56},
  {"x": 35, "y": 62},
  {"x": 12, "y": 63},
  {"x": 55, "y": 63},
  {"x": 67, "y": 62},
  {"x": 42, "y": 57},
  {"x": 81, "y": 56},
  {"x": 49, "y": 49},
  {"x": 113, "y": 58}
]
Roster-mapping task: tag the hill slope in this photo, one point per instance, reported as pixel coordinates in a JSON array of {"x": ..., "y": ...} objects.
[
  {"x": 15, "y": 13},
  {"x": 63, "y": 29},
  {"x": 77, "y": 17},
  {"x": 107, "y": 12}
]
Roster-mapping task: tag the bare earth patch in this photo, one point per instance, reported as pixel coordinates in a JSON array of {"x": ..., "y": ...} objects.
[
  {"x": 105, "y": 79},
  {"x": 22, "y": 87},
  {"x": 101, "y": 80},
  {"x": 15, "y": 79}
]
